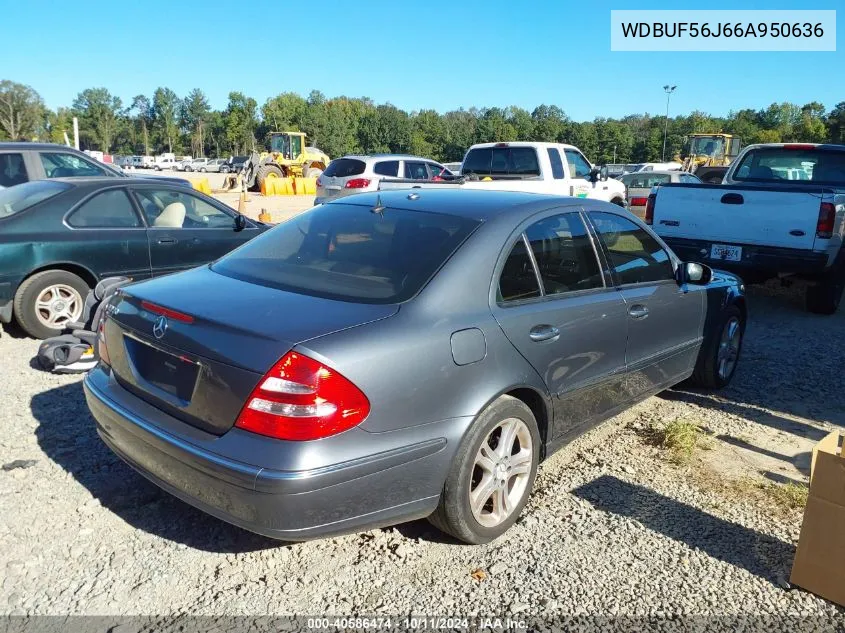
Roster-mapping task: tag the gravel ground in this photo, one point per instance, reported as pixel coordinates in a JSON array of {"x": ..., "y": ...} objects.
[{"x": 613, "y": 528}]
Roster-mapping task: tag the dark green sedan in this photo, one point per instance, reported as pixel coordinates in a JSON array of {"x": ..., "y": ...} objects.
[{"x": 59, "y": 237}]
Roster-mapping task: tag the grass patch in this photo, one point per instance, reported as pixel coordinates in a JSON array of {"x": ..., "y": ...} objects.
[
  {"x": 679, "y": 437},
  {"x": 792, "y": 496}
]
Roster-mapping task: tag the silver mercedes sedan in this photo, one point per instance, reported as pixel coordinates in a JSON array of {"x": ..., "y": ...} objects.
[{"x": 387, "y": 357}]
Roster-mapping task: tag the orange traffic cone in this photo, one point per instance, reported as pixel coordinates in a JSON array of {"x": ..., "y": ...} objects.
[{"x": 264, "y": 216}]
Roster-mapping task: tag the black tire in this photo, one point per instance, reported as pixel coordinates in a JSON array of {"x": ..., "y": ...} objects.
[
  {"x": 31, "y": 288},
  {"x": 825, "y": 296},
  {"x": 267, "y": 171},
  {"x": 454, "y": 514},
  {"x": 619, "y": 202},
  {"x": 706, "y": 372}
]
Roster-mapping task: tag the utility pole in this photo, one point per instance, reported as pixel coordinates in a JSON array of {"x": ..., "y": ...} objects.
[{"x": 668, "y": 90}]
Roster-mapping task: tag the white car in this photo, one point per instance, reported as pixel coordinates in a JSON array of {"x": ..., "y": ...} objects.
[
  {"x": 531, "y": 167},
  {"x": 165, "y": 162},
  {"x": 183, "y": 165}
]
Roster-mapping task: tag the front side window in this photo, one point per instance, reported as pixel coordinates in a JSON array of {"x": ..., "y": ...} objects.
[
  {"x": 564, "y": 254},
  {"x": 170, "y": 209},
  {"x": 518, "y": 280},
  {"x": 12, "y": 170},
  {"x": 106, "y": 210},
  {"x": 435, "y": 169},
  {"x": 634, "y": 253},
  {"x": 387, "y": 168},
  {"x": 347, "y": 252},
  {"x": 416, "y": 171},
  {"x": 578, "y": 165},
  {"x": 61, "y": 165}
]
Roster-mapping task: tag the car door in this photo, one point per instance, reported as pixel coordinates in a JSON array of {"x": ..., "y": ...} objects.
[
  {"x": 665, "y": 320},
  {"x": 186, "y": 230},
  {"x": 579, "y": 171},
  {"x": 107, "y": 235},
  {"x": 555, "y": 307}
]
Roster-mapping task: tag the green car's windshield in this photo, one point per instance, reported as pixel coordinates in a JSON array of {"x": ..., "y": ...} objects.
[{"x": 21, "y": 197}]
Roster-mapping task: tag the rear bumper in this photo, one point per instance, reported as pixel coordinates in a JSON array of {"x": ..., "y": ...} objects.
[
  {"x": 375, "y": 485},
  {"x": 764, "y": 259}
]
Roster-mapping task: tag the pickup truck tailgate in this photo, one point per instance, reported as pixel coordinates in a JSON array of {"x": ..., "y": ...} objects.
[{"x": 774, "y": 216}]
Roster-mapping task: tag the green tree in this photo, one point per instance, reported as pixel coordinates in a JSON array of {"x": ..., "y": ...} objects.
[
  {"x": 142, "y": 112},
  {"x": 166, "y": 108},
  {"x": 285, "y": 112},
  {"x": 99, "y": 115},
  {"x": 836, "y": 124},
  {"x": 195, "y": 111},
  {"x": 385, "y": 128},
  {"x": 549, "y": 123},
  {"x": 21, "y": 111},
  {"x": 241, "y": 121}
]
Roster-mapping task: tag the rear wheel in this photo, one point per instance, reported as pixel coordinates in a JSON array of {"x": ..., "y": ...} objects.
[
  {"x": 46, "y": 302},
  {"x": 267, "y": 171},
  {"x": 720, "y": 351},
  {"x": 826, "y": 295},
  {"x": 492, "y": 475}
]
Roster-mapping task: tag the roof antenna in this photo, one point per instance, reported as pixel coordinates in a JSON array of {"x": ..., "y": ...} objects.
[{"x": 379, "y": 207}]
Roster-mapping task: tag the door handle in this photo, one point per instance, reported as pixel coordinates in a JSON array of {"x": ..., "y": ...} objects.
[
  {"x": 540, "y": 333},
  {"x": 166, "y": 241},
  {"x": 638, "y": 311},
  {"x": 732, "y": 198}
]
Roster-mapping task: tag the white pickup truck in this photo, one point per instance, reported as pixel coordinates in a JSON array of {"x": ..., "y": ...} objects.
[
  {"x": 780, "y": 211},
  {"x": 528, "y": 167}
]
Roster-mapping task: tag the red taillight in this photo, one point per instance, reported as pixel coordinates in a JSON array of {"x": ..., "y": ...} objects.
[
  {"x": 827, "y": 215},
  {"x": 357, "y": 183},
  {"x": 302, "y": 399},
  {"x": 799, "y": 146},
  {"x": 172, "y": 314},
  {"x": 102, "y": 350},
  {"x": 649, "y": 208},
  {"x": 638, "y": 202}
]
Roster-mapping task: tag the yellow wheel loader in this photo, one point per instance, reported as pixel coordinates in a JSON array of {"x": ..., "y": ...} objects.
[
  {"x": 288, "y": 156},
  {"x": 709, "y": 155}
]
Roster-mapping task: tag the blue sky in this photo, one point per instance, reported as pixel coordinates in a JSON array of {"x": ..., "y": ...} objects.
[{"x": 442, "y": 55}]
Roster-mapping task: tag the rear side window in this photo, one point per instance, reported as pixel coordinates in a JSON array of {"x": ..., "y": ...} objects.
[
  {"x": 106, "y": 210},
  {"x": 387, "y": 168},
  {"x": 564, "y": 254},
  {"x": 12, "y": 170},
  {"x": 22, "y": 197},
  {"x": 501, "y": 161},
  {"x": 416, "y": 171},
  {"x": 343, "y": 167},
  {"x": 557, "y": 164},
  {"x": 636, "y": 255},
  {"x": 61, "y": 165},
  {"x": 347, "y": 252},
  {"x": 777, "y": 164},
  {"x": 518, "y": 280}
]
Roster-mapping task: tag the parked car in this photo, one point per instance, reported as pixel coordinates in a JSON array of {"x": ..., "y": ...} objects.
[
  {"x": 780, "y": 212},
  {"x": 533, "y": 168},
  {"x": 164, "y": 162},
  {"x": 273, "y": 388},
  {"x": 355, "y": 174},
  {"x": 23, "y": 162},
  {"x": 183, "y": 165},
  {"x": 197, "y": 164},
  {"x": 91, "y": 228},
  {"x": 639, "y": 185},
  {"x": 234, "y": 164},
  {"x": 212, "y": 165},
  {"x": 455, "y": 168}
]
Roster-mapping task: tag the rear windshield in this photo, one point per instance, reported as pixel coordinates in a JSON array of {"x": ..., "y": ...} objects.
[
  {"x": 644, "y": 180},
  {"x": 343, "y": 167},
  {"x": 21, "y": 197},
  {"x": 348, "y": 252},
  {"x": 501, "y": 161},
  {"x": 776, "y": 164}
]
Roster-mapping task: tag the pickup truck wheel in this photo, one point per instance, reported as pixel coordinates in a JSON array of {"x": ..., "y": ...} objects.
[
  {"x": 492, "y": 474},
  {"x": 719, "y": 354},
  {"x": 46, "y": 302},
  {"x": 826, "y": 295},
  {"x": 619, "y": 202}
]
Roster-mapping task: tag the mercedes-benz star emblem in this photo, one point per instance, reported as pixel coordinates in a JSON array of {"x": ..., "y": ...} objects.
[{"x": 160, "y": 326}]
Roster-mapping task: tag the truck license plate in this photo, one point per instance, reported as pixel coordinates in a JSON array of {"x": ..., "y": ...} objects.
[{"x": 726, "y": 253}]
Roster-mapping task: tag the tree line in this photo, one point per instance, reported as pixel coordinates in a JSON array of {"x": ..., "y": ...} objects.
[{"x": 166, "y": 122}]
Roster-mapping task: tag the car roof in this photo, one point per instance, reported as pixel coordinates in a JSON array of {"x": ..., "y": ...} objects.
[
  {"x": 366, "y": 157},
  {"x": 657, "y": 172},
  {"x": 522, "y": 144},
  {"x": 112, "y": 180},
  {"x": 833, "y": 146},
  {"x": 471, "y": 204},
  {"x": 32, "y": 145}
]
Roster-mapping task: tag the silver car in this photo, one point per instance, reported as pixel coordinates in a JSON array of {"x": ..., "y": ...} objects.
[
  {"x": 392, "y": 356},
  {"x": 357, "y": 174},
  {"x": 638, "y": 185},
  {"x": 212, "y": 165}
]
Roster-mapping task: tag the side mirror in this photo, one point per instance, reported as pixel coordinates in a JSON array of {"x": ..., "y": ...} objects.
[
  {"x": 594, "y": 175},
  {"x": 694, "y": 273},
  {"x": 240, "y": 222}
]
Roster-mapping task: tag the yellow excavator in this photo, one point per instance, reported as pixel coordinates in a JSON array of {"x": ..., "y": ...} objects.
[
  {"x": 709, "y": 155},
  {"x": 288, "y": 156}
]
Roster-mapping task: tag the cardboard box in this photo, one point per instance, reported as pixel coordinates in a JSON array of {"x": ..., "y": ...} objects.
[{"x": 820, "y": 558}]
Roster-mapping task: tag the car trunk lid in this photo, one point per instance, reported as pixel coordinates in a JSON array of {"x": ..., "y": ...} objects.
[{"x": 195, "y": 344}]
